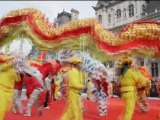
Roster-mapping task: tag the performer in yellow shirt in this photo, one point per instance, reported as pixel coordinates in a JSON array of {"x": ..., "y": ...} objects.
[
  {"x": 75, "y": 86},
  {"x": 8, "y": 77},
  {"x": 130, "y": 79}
]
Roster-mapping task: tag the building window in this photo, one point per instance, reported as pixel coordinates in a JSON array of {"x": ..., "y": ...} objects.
[
  {"x": 154, "y": 69},
  {"x": 109, "y": 18},
  {"x": 141, "y": 62},
  {"x": 124, "y": 13},
  {"x": 131, "y": 10},
  {"x": 100, "y": 18},
  {"x": 118, "y": 13},
  {"x": 143, "y": 9}
]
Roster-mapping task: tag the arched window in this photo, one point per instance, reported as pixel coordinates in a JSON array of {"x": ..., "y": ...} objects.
[
  {"x": 118, "y": 13},
  {"x": 124, "y": 13},
  {"x": 154, "y": 69},
  {"x": 109, "y": 18},
  {"x": 143, "y": 9},
  {"x": 131, "y": 10},
  {"x": 100, "y": 18}
]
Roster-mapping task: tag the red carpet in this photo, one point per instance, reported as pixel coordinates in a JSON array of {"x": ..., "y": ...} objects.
[{"x": 115, "y": 108}]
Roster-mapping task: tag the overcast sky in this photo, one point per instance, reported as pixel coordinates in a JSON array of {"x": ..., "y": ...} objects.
[{"x": 50, "y": 9}]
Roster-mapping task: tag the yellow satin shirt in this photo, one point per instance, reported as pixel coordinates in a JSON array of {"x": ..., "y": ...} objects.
[
  {"x": 131, "y": 79},
  {"x": 76, "y": 79},
  {"x": 8, "y": 77}
]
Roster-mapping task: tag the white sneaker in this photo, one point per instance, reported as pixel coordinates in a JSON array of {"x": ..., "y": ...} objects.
[
  {"x": 145, "y": 110},
  {"x": 47, "y": 107},
  {"x": 14, "y": 111},
  {"x": 27, "y": 115},
  {"x": 102, "y": 114}
]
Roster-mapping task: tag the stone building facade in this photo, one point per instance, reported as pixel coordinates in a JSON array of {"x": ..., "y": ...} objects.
[
  {"x": 115, "y": 14},
  {"x": 64, "y": 17}
]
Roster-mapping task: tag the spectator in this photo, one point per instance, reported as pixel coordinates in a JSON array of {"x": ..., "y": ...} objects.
[
  {"x": 158, "y": 87},
  {"x": 153, "y": 90}
]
